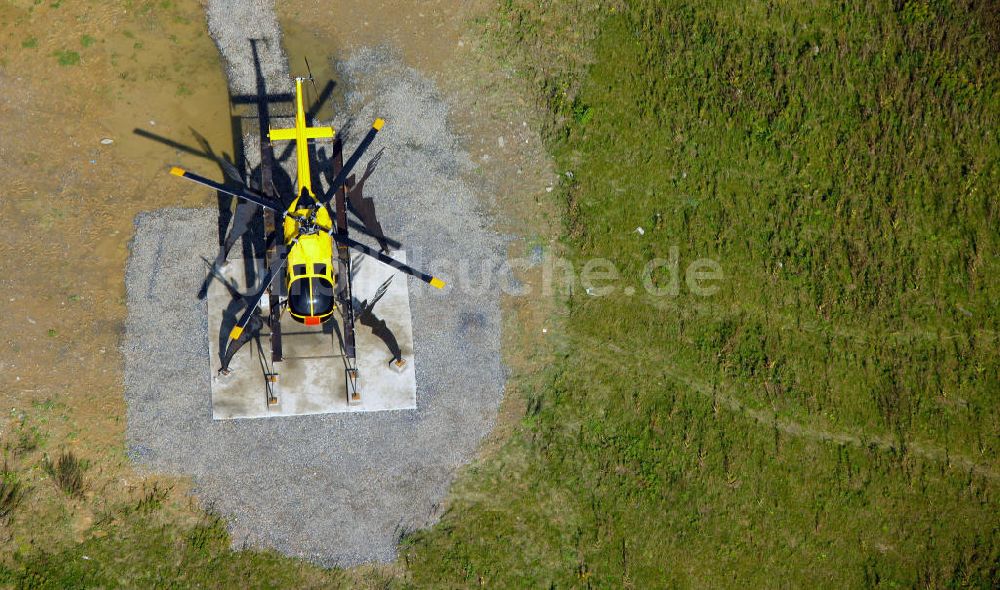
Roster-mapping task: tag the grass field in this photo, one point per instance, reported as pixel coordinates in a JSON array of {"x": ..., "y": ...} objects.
[{"x": 830, "y": 416}]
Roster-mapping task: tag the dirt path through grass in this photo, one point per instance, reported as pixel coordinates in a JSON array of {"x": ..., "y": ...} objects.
[{"x": 721, "y": 396}]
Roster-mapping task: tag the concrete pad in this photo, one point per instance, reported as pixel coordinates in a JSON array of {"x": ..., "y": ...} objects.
[
  {"x": 382, "y": 386},
  {"x": 312, "y": 377}
]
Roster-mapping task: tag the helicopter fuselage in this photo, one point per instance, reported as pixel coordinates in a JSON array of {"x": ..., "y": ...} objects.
[
  {"x": 309, "y": 276},
  {"x": 310, "y": 280}
]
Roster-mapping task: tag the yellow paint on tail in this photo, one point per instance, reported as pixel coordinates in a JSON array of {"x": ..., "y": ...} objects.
[{"x": 301, "y": 134}]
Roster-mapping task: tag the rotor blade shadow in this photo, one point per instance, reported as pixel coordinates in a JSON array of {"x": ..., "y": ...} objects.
[
  {"x": 206, "y": 151},
  {"x": 361, "y": 207},
  {"x": 231, "y": 175},
  {"x": 215, "y": 273},
  {"x": 379, "y": 328}
]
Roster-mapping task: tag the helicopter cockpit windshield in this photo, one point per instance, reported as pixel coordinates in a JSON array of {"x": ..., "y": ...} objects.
[{"x": 311, "y": 297}]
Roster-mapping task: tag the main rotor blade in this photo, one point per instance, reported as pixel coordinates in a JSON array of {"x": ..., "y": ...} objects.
[
  {"x": 242, "y": 193},
  {"x": 431, "y": 280},
  {"x": 254, "y": 300},
  {"x": 352, "y": 161}
]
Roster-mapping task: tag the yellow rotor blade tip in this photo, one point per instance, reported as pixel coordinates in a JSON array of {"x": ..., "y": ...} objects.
[
  {"x": 436, "y": 282},
  {"x": 177, "y": 171},
  {"x": 235, "y": 333},
  {"x": 378, "y": 124}
]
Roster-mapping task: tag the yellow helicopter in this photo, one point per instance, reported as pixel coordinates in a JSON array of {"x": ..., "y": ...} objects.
[{"x": 309, "y": 233}]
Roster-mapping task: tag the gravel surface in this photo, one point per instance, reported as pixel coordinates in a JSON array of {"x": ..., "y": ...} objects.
[
  {"x": 233, "y": 24},
  {"x": 336, "y": 489}
]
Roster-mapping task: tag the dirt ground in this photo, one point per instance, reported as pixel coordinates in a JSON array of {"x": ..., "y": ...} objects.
[
  {"x": 74, "y": 81},
  {"x": 73, "y": 77}
]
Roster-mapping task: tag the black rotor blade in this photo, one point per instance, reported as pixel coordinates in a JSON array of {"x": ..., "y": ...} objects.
[
  {"x": 242, "y": 193},
  {"x": 352, "y": 161},
  {"x": 254, "y": 300},
  {"x": 430, "y": 280}
]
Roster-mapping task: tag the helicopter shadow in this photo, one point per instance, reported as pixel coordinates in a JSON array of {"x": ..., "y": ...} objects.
[
  {"x": 366, "y": 316},
  {"x": 233, "y": 222},
  {"x": 233, "y": 310},
  {"x": 362, "y": 207}
]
